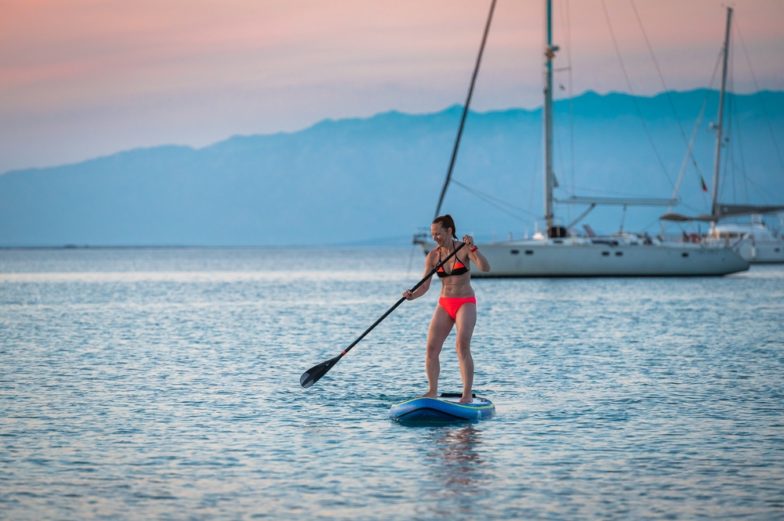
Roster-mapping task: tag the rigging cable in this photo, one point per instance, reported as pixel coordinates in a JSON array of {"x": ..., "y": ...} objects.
[
  {"x": 570, "y": 82},
  {"x": 737, "y": 151},
  {"x": 566, "y": 22},
  {"x": 765, "y": 110},
  {"x": 666, "y": 90},
  {"x": 692, "y": 139},
  {"x": 500, "y": 204},
  {"x": 465, "y": 110},
  {"x": 634, "y": 96}
]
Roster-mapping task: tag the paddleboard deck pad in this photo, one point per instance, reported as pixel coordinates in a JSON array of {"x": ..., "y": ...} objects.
[{"x": 444, "y": 409}]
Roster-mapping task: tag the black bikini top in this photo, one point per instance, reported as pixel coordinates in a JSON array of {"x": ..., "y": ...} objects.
[{"x": 458, "y": 268}]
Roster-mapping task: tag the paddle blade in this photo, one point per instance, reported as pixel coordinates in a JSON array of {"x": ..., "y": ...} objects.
[{"x": 315, "y": 373}]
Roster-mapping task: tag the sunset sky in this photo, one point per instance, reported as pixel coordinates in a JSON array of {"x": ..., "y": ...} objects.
[{"x": 84, "y": 78}]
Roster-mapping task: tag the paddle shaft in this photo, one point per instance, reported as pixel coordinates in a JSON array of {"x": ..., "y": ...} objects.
[{"x": 393, "y": 308}]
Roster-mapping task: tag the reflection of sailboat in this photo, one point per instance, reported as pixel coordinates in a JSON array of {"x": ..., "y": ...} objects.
[
  {"x": 558, "y": 253},
  {"x": 756, "y": 242}
]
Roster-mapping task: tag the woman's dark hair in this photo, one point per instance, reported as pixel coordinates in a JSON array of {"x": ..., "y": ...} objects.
[{"x": 446, "y": 221}]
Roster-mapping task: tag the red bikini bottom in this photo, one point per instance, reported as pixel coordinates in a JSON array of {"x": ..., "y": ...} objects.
[{"x": 452, "y": 304}]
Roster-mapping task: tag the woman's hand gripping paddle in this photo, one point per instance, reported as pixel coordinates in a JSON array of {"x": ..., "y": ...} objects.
[{"x": 315, "y": 373}]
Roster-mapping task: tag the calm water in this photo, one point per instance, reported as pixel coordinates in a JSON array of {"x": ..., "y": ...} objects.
[{"x": 165, "y": 384}]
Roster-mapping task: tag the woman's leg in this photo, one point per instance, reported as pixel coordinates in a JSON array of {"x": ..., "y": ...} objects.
[
  {"x": 440, "y": 326},
  {"x": 465, "y": 321}
]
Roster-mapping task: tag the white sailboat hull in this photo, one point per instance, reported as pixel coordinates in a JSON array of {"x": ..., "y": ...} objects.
[
  {"x": 756, "y": 243},
  {"x": 583, "y": 258},
  {"x": 767, "y": 253},
  {"x": 763, "y": 251}
]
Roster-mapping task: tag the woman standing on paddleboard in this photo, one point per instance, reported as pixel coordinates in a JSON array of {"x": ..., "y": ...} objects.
[{"x": 457, "y": 304}]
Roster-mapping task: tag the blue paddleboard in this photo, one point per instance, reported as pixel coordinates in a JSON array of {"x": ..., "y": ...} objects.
[{"x": 443, "y": 409}]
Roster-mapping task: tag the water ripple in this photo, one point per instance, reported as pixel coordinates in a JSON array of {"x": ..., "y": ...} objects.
[{"x": 165, "y": 383}]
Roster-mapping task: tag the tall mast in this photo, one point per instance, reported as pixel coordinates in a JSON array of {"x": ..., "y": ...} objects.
[
  {"x": 466, "y": 107},
  {"x": 547, "y": 108},
  {"x": 720, "y": 123}
]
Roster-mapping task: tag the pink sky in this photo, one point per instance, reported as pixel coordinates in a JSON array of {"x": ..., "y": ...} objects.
[{"x": 83, "y": 78}]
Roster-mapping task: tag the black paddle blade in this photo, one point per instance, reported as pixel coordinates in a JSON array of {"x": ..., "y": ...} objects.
[{"x": 315, "y": 373}]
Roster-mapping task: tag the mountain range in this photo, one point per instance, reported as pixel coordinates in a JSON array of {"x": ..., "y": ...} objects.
[{"x": 377, "y": 179}]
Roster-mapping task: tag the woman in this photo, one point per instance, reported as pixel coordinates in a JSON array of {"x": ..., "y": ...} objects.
[{"x": 457, "y": 305}]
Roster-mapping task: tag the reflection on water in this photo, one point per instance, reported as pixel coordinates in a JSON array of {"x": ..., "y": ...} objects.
[
  {"x": 457, "y": 452},
  {"x": 456, "y": 465}
]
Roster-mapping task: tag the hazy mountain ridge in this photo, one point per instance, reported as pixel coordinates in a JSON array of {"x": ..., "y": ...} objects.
[{"x": 379, "y": 177}]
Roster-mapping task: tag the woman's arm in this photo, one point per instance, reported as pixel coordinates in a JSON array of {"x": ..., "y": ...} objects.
[
  {"x": 421, "y": 290},
  {"x": 475, "y": 255}
]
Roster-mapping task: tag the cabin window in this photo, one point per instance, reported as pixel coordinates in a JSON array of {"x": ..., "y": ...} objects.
[
  {"x": 605, "y": 254},
  {"x": 514, "y": 252},
  {"x": 529, "y": 252},
  {"x": 618, "y": 253},
  {"x": 684, "y": 254}
]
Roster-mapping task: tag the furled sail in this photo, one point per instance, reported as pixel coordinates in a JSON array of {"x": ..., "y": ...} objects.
[{"x": 724, "y": 210}]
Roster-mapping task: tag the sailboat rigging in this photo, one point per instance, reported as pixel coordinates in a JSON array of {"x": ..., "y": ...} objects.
[
  {"x": 755, "y": 242},
  {"x": 558, "y": 253}
]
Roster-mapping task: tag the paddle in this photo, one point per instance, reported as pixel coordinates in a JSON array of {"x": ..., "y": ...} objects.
[{"x": 315, "y": 373}]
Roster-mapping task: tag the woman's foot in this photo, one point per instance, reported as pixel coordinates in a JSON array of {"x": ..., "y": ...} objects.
[
  {"x": 464, "y": 399},
  {"x": 430, "y": 394}
]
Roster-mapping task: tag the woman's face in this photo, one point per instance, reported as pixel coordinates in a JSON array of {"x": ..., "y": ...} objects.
[{"x": 440, "y": 234}]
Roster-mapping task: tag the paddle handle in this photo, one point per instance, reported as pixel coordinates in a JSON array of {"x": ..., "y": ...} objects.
[{"x": 402, "y": 299}]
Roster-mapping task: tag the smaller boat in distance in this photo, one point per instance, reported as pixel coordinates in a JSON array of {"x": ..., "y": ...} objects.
[
  {"x": 754, "y": 241},
  {"x": 758, "y": 244}
]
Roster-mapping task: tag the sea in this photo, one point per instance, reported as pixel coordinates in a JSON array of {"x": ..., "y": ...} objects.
[{"x": 163, "y": 383}]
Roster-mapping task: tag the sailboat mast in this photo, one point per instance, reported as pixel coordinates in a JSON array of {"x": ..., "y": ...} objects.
[
  {"x": 720, "y": 123},
  {"x": 547, "y": 108}
]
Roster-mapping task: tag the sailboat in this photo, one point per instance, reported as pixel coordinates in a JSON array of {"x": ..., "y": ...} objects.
[
  {"x": 558, "y": 253},
  {"x": 756, "y": 243}
]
